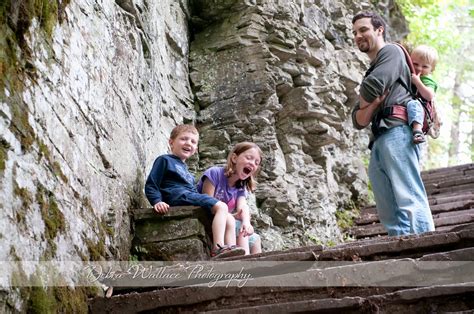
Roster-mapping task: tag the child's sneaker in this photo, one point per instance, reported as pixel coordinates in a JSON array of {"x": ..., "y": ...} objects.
[
  {"x": 418, "y": 137},
  {"x": 226, "y": 251}
]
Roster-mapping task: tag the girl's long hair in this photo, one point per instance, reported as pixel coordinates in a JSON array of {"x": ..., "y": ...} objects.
[{"x": 250, "y": 183}]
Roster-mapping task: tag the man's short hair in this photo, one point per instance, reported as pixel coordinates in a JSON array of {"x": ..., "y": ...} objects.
[
  {"x": 177, "y": 130},
  {"x": 375, "y": 20}
]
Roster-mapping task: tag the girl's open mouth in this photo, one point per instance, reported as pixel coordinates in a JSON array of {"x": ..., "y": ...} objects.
[{"x": 247, "y": 170}]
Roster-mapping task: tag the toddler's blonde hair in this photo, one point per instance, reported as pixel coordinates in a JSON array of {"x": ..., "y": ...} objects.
[{"x": 427, "y": 54}]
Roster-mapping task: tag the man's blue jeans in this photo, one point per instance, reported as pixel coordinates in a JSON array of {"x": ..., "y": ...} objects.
[{"x": 399, "y": 192}]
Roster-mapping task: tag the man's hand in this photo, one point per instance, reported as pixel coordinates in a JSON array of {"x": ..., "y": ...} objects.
[
  {"x": 161, "y": 207},
  {"x": 366, "y": 109}
]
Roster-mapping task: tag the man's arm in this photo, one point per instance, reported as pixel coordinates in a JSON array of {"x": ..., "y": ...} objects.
[
  {"x": 376, "y": 86},
  {"x": 362, "y": 115},
  {"x": 386, "y": 70}
]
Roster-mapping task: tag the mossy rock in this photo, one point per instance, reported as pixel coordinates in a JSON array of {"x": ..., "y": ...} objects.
[
  {"x": 190, "y": 249},
  {"x": 156, "y": 231}
]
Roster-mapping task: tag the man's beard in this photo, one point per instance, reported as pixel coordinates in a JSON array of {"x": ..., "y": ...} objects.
[{"x": 363, "y": 47}]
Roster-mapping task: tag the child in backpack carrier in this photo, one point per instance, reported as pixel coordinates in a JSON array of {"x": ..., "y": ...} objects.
[{"x": 424, "y": 60}]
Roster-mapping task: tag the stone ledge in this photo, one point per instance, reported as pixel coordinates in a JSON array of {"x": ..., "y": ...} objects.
[
  {"x": 176, "y": 212},
  {"x": 183, "y": 233}
]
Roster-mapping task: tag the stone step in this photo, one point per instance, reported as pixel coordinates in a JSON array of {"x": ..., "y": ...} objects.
[
  {"x": 456, "y": 255},
  {"x": 180, "y": 234},
  {"x": 448, "y": 197},
  {"x": 447, "y": 298},
  {"x": 306, "y": 253},
  {"x": 280, "y": 289},
  {"x": 399, "y": 247},
  {"x": 429, "y": 179},
  {"x": 290, "y": 286},
  {"x": 369, "y": 217},
  {"x": 441, "y": 172},
  {"x": 448, "y": 176},
  {"x": 440, "y": 220},
  {"x": 466, "y": 186},
  {"x": 456, "y": 245},
  {"x": 140, "y": 214},
  {"x": 203, "y": 299},
  {"x": 417, "y": 300}
]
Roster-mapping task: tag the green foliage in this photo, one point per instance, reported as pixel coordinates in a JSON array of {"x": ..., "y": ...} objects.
[
  {"x": 430, "y": 25},
  {"x": 313, "y": 238},
  {"x": 20, "y": 126},
  {"x": 330, "y": 243},
  {"x": 55, "y": 166},
  {"x": 58, "y": 299},
  {"x": 40, "y": 301},
  {"x": 316, "y": 240},
  {"x": 446, "y": 26},
  {"x": 345, "y": 218},
  {"x": 52, "y": 216},
  {"x": 96, "y": 250},
  {"x": 15, "y": 21},
  {"x": 370, "y": 192},
  {"x": 26, "y": 200},
  {"x": 133, "y": 258}
]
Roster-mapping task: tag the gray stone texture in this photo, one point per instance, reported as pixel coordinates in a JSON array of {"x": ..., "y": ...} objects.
[
  {"x": 283, "y": 74},
  {"x": 115, "y": 77},
  {"x": 182, "y": 234},
  {"x": 110, "y": 83}
]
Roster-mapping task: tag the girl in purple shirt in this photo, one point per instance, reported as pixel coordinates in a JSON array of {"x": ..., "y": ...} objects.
[{"x": 230, "y": 184}]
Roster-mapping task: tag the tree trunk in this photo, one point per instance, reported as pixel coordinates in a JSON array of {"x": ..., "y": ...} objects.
[
  {"x": 455, "y": 132},
  {"x": 471, "y": 135}
]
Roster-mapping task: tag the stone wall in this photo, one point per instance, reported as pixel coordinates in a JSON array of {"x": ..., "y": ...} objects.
[
  {"x": 91, "y": 107},
  {"x": 97, "y": 87},
  {"x": 182, "y": 234},
  {"x": 283, "y": 74}
]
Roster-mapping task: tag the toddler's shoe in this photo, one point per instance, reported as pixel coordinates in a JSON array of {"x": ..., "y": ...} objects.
[{"x": 418, "y": 137}]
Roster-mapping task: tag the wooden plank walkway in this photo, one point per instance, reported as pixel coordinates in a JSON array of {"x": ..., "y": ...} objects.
[{"x": 295, "y": 287}]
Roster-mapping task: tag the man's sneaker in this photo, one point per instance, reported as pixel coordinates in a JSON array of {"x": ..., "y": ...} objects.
[{"x": 226, "y": 251}]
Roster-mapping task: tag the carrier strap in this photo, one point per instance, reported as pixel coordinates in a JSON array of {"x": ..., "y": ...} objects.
[{"x": 395, "y": 111}]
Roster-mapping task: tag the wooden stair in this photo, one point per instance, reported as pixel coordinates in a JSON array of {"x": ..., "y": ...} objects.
[{"x": 428, "y": 273}]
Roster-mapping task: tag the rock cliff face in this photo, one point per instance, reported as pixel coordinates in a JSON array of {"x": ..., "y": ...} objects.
[
  {"x": 283, "y": 74},
  {"x": 103, "y": 92},
  {"x": 92, "y": 98}
]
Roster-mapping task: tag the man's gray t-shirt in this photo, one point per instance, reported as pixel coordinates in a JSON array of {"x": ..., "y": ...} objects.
[{"x": 388, "y": 66}]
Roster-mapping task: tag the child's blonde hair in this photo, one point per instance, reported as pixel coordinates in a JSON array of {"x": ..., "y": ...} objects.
[
  {"x": 177, "y": 130},
  {"x": 427, "y": 54},
  {"x": 250, "y": 183}
]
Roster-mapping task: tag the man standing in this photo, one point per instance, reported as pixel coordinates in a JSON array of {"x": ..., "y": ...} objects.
[{"x": 394, "y": 171}]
